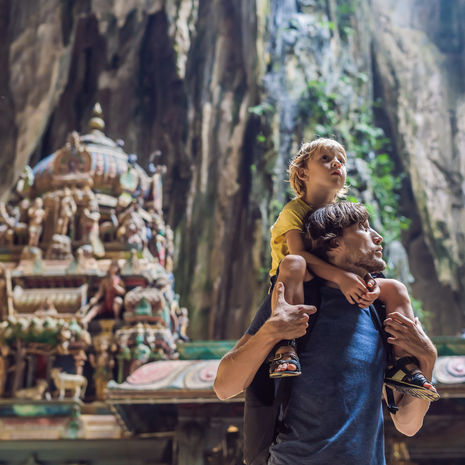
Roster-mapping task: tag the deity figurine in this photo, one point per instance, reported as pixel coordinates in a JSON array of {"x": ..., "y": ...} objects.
[
  {"x": 103, "y": 363},
  {"x": 36, "y": 215},
  {"x": 90, "y": 227},
  {"x": 85, "y": 260},
  {"x": 108, "y": 301},
  {"x": 7, "y": 226},
  {"x": 169, "y": 242},
  {"x": 132, "y": 230},
  {"x": 183, "y": 322},
  {"x": 141, "y": 352},
  {"x": 67, "y": 211},
  {"x": 157, "y": 245}
]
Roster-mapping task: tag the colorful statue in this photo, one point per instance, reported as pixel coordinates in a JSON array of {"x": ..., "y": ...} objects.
[
  {"x": 7, "y": 226},
  {"x": 108, "y": 301},
  {"x": 103, "y": 363},
  {"x": 36, "y": 215},
  {"x": 68, "y": 209},
  {"x": 90, "y": 227},
  {"x": 84, "y": 205}
]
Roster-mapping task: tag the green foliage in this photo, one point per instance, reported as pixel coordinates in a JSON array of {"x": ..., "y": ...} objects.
[
  {"x": 328, "y": 24},
  {"x": 275, "y": 209},
  {"x": 418, "y": 310},
  {"x": 261, "y": 138},
  {"x": 361, "y": 138},
  {"x": 352, "y": 199},
  {"x": 386, "y": 186},
  {"x": 262, "y": 109},
  {"x": 344, "y": 12}
]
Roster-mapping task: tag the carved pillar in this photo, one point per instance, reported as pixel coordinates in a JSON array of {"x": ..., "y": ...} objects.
[
  {"x": 30, "y": 370},
  {"x": 19, "y": 366}
]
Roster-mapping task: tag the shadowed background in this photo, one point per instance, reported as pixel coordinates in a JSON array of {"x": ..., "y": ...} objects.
[{"x": 227, "y": 90}]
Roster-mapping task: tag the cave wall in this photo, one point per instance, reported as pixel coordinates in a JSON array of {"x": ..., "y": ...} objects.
[
  {"x": 217, "y": 86},
  {"x": 418, "y": 49}
]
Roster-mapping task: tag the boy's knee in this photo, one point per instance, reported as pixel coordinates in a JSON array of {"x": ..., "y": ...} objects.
[
  {"x": 293, "y": 266},
  {"x": 398, "y": 291},
  {"x": 400, "y": 288}
]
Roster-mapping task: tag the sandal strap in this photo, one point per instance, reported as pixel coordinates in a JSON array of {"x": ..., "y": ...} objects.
[
  {"x": 419, "y": 379},
  {"x": 284, "y": 355},
  {"x": 285, "y": 343},
  {"x": 391, "y": 403},
  {"x": 400, "y": 367}
]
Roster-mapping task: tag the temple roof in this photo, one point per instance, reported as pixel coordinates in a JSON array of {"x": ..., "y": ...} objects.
[{"x": 91, "y": 159}]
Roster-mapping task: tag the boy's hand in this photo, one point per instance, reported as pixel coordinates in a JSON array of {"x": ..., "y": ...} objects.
[
  {"x": 352, "y": 286},
  {"x": 372, "y": 293}
]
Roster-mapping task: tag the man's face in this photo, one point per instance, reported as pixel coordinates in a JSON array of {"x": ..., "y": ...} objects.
[{"x": 359, "y": 249}]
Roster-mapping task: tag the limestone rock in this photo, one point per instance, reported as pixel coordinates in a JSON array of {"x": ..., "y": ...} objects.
[{"x": 217, "y": 87}]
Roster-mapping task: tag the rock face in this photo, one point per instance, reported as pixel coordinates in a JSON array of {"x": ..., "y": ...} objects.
[
  {"x": 418, "y": 50},
  {"x": 221, "y": 89}
]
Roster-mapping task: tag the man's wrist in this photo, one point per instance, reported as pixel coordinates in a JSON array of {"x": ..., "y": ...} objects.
[
  {"x": 428, "y": 359},
  {"x": 271, "y": 331}
]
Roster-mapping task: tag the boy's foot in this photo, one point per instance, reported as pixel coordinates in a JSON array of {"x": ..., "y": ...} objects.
[
  {"x": 406, "y": 377},
  {"x": 284, "y": 362}
]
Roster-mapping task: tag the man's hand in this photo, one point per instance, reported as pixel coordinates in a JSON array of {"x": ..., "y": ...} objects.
[
  {"x": 238, "y": 367},
  {"x": 351, "y": 285},
  {"x": 408, "y": 335},
  {"x": 289, "y": 321}
]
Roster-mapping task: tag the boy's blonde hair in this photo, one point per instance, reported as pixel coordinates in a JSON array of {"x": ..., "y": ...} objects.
[{"x": 309, "y": 150}]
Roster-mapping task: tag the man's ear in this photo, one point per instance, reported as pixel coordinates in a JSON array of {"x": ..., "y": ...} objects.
[
  {"x": 336, "y": 242},
  {"x": 335, "y": 247}
]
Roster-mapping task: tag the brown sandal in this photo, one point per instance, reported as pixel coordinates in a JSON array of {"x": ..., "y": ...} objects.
[{"x": 279, "y": 359}]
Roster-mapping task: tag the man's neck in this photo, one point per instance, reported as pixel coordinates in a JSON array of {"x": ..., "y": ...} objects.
[{"x": 350, "y": 269}]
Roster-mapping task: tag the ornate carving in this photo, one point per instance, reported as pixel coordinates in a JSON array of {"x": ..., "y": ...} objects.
[{"x": 87, "y": 247}]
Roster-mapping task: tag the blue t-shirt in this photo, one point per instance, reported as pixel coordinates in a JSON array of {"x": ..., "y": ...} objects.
[{"x": 334, "y": 414}]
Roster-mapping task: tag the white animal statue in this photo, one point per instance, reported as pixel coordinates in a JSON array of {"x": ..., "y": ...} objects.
[
  {"x": 33, "y": 393},
  {"x": 69, "y": 382}
]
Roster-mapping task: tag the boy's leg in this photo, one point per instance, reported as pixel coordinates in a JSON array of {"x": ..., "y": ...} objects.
[
  {"x": 395, "y": 297},
  {"x": 292, "y": 272}
]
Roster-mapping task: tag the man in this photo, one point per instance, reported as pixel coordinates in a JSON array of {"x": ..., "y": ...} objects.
[{"x": 334, "y": 412}]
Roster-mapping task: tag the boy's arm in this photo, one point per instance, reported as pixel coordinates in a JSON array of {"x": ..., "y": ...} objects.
[
  {"x": 352, "y": 286},
  {"x": 394, "y": 295},
  {"x": 409, "y": 335},
  {"x": 238, "y": 367}
]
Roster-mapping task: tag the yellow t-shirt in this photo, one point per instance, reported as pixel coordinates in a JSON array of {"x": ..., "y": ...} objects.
[{"x": 291, "y": 217}]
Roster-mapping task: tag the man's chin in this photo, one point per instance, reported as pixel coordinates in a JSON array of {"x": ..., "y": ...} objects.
[
  {"x": 375, "y": 265},
  {"x": 378, "y": 267}
]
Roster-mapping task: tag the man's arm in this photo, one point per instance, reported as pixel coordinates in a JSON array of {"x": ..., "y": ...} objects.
[
  {"x": 238, "y": 367},
  {"x": 409, "y": 335}
]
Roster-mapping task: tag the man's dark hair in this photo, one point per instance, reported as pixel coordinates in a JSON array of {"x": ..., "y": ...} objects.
[{"x": 327, "y": 223}]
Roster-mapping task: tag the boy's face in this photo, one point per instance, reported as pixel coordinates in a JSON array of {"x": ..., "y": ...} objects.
[{"x": 325, "y": 170}]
